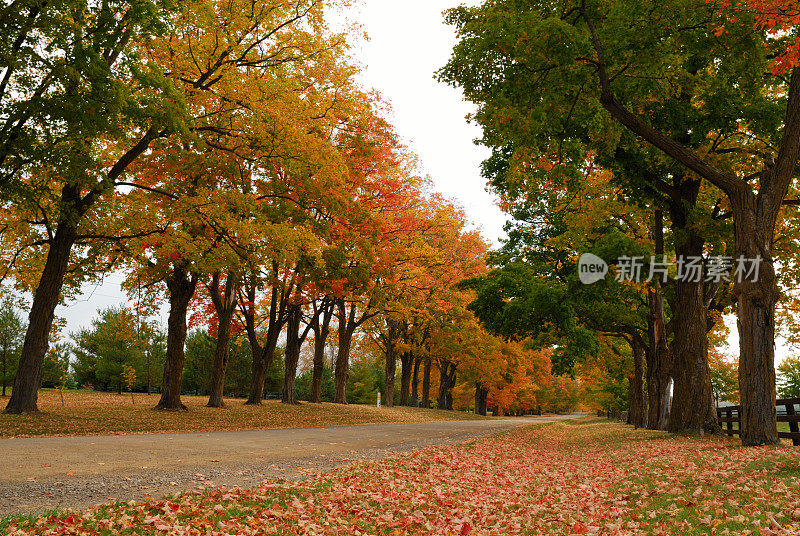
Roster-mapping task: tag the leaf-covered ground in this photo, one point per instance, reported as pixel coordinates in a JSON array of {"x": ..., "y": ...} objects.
[
  {"x": 92, "y": 413},
  {"x": 584, "y": 477}
]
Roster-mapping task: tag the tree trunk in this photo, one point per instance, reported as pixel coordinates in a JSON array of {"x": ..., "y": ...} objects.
[
  {"x": 693, "y": 399},
  {"x": 426, "y": 383},
  {"x": 181, "y": 285},
  {"x": 658, "y": 365},
  {"x": 406, "y": 365},
  {"x": 415, "y": 383},
  {"x": 292, "y": 353},
  {"x": 321, "y": 331},
  {"x": 24, "y": 395},
  {"x": 756, "y": 298},
  {"x": 638, "y": 404},
  {"x": 657, "y": 355},
  {"x": 224, "y": 304},
  {"x": 342, "y": 366},
  {"x": 263, "y": 359},
  {"x": 447, "y": 376},
  {"x": 481, "y": 397},
  {"x": 389, "y": 372},
  {"x": 347, "y": 326}
]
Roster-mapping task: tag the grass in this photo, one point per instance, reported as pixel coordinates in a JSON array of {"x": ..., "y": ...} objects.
[
  {"x": 95, "y": 413},
  {"x": 584, "y": 477}
]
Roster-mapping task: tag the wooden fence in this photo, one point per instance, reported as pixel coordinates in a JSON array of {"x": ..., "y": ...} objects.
[{"x": 786, "y": 413}]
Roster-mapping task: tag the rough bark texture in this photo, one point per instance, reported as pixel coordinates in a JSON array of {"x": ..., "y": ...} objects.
[
  {"x": 638, "y": 403},
  {"x": 425, "y": 402},
  {"x": 349, "y": 321},
  {"x": 347, "y": 326},
  {"x": 658, "y": 356},
  {"x": 415, "y": 382},
  {"x": 407, "y": 364},
  {"x": 321, "y": 326},
  {"x": 756, "y": 299},
  {"x": 292, "y": 352},
  {"x": 481, "y": 398},
  {"x": 181, "y": 285},
  {"x": 693, "y": 398},
  {"x": 24, "y": 395},
  {"x": 224, "y": 305},
  {"x": 389, "y": 340},
  {"x": 263, "y": 360},
  {"x": 447, "y": 380},
  {"x": 389, "y": 372},
  {"x": 342, "y": 366}
]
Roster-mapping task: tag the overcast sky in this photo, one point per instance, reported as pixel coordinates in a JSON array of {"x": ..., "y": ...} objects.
[{"x": 408, "y": 43}]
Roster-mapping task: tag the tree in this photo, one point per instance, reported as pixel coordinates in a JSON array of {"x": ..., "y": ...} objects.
[
  {"x": 105, "y": 350},
  {"x": 606, "y": 66},
  {"x": 78, "y": 65},
  {"x": 188, "y": 51},
  {"x": 789, "y": 378},
  {"x": 12, "y": 329},
  {"x": 724, "y": 377}
]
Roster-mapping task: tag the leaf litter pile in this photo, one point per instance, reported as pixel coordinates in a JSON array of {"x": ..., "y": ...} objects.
[{"x": 586, "y": 477}]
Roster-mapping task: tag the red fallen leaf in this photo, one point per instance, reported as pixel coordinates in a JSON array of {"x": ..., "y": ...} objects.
[
  {"x": 579, "y": 528},
  {"x": 46, "y": 465},
  {"x": 466, "y": 528}
]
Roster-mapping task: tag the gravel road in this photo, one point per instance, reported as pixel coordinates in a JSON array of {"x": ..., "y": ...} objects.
[{"x": 38, "y": 474}]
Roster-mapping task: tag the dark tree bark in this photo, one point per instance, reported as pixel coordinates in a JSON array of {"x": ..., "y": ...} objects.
[
  {"x": 426, "y": 383},
  {"x": 406, "y": 366},
  {"x": 349, "y": 321},
  {"x": 24, "y": 395},
  {"x": 181, "y": 285},
  {"x": 638, "y": 403},
  {"x": 693, "y": 399},
  {"x": 321, "y": 325},
  {"x": 224, "y": 304},
  {"x": 415, "y": 382},
  {"x": 658, "y": 354},
  {"x": 294, "y": 340},
  {"x": 262, "y": 359},
  {"x": 447, "y": 380},
  {"x": 756, "y": 301},
  {"x": 481, "y": 398},
  {"x": 389, "y": 341},
  {"x": 346, "y": 329}
]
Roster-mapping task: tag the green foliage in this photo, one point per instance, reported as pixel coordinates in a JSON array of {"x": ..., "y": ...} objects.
[
  {"x": 303, "y": 385},
  {"x": 56, "y": 367},
  {"x": 789, "y": 378},
  {"x": 12, "y": 333},
  {"x": 365, "y": 381},
  {"x": 200, "y": 347},
  {"x": 199, "y": 361},
  {"x": 114, "y": 343}
]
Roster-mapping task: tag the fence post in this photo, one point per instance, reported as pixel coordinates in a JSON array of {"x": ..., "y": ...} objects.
[{"x": 793, "y": 426}]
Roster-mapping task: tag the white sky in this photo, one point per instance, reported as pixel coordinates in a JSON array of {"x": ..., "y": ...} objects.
[{"x": 408, "y": 43}]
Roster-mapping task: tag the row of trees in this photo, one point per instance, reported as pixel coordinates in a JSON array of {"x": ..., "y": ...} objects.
[
  {"x": 221, "y": 155},
  {"x": 633, "y": 129}
]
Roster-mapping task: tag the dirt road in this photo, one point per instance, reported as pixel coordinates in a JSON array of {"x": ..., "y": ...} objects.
[{"x": 38, "y": 474}]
